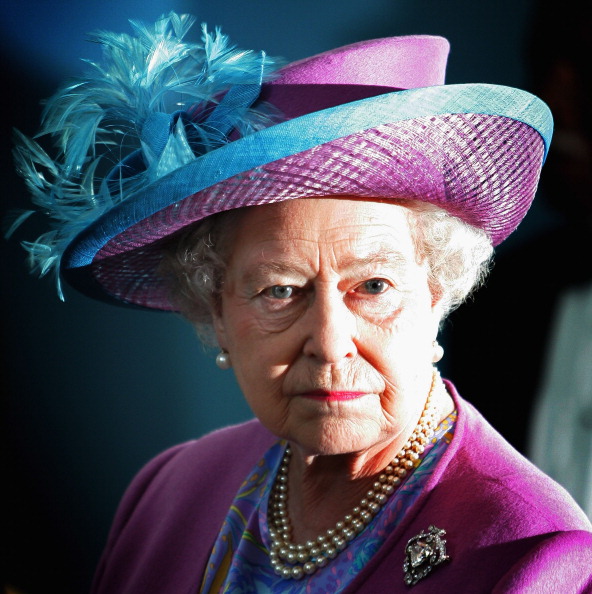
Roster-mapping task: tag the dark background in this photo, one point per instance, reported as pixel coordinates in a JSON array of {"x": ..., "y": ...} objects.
[{"x": 90, "y": 392}]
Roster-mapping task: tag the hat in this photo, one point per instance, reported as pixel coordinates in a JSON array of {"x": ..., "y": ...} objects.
[{"x": 190, "y": 130}]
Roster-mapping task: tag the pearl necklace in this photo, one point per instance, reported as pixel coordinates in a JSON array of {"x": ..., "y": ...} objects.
[{"x": 294, "y": 561}]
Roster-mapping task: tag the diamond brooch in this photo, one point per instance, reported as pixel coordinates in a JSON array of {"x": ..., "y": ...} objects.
[{"x": 424, "y": 553}]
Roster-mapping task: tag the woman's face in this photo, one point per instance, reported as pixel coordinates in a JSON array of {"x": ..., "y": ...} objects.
[{"x": 329, "y": 322}]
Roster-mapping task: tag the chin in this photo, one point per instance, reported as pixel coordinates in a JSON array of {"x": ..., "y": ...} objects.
[{"x": 333, "y": 441}]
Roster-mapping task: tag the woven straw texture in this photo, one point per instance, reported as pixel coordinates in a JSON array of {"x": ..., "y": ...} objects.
[{"x": 443, "y": 160}]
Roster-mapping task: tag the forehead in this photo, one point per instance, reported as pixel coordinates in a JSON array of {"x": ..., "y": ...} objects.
[{"x": 345, "y": 225}]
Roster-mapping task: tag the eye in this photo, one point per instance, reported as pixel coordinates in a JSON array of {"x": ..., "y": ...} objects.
[
  {"x": 280, "y": 291},
  {"x": 374, "y": 286}
]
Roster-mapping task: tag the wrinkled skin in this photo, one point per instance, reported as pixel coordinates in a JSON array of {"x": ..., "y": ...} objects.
[{"x": 329, "y": 322}]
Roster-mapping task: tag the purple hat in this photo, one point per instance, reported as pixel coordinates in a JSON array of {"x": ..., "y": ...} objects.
[{"x": 215, "y": 129}]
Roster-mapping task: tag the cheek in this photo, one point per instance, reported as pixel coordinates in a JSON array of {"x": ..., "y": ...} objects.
[
  {"x": 412, "y": 329},
  {"x": 261, "y": 378},
  {"x": 402, "y": 350},
  {"x": 238, "y": 325},
  {"x": 259, "y": 359}
]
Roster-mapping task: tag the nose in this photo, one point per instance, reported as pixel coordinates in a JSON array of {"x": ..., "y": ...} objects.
[{"x": 331, "y": 328}]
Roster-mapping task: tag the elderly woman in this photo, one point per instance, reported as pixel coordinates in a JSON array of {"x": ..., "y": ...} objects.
[{"x": 318, "y": 222}]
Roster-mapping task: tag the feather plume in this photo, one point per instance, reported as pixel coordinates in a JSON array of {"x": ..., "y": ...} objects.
[{"x": 97, "y": 121}]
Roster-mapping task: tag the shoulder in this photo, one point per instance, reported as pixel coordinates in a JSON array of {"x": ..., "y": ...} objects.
[
  {"x": 504, "y": 518},
  {"x": 501, "y": 478},
  {"x": 232, "y": 451},
  {"x": 560, "y": 563},
  {"x": 507, "y": 524},
  {"x": 177, "y": 502}
]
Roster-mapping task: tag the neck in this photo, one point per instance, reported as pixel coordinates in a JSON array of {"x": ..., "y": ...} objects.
[{"x": 322, "y": 490}]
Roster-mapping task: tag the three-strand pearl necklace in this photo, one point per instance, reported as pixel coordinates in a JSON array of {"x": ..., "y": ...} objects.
[{"x": 294, "y": 561}]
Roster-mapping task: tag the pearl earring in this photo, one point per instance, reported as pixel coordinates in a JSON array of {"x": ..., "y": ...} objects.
[
  {"x": 223, "y": 360},
  {"x": 438, "y": 351}
]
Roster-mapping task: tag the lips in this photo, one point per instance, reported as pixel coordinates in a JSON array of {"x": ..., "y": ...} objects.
[{"x": 332, "y": 395}]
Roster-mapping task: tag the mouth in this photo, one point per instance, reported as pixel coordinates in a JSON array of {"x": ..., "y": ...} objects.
[{"x": 332, "y": 396}]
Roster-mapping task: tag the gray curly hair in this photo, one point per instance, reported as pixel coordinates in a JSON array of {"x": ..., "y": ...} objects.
[{"x": 458, "y": 257}]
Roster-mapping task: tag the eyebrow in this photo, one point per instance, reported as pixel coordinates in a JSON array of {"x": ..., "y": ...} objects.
[{"x": 381, "y": 257}]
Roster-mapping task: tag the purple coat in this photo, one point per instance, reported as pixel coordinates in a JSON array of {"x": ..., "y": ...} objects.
[{"x": 510, "y": 529}]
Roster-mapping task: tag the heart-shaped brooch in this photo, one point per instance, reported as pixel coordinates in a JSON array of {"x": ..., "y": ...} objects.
[{"x": 424, "y": 553}]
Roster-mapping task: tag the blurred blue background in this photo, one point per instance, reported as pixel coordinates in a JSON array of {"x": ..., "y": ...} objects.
[{"x": 91, "y": 392}]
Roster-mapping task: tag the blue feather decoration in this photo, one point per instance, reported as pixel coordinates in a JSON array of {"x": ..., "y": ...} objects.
[{"x": 145, "y": 97}]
